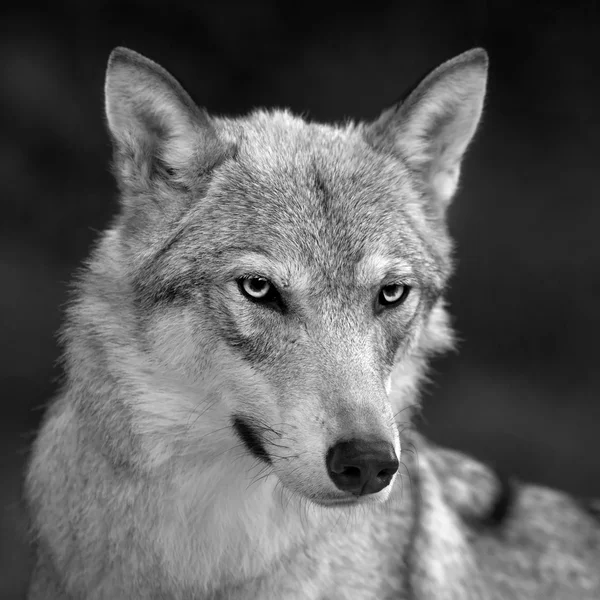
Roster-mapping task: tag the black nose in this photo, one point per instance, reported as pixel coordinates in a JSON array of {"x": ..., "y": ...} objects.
[{"x": 361, "y": 466}]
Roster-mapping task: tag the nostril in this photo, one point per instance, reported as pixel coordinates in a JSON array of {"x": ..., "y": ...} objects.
[
  {"x": 350, "y": 472},
  {"x": 387, "y": 472}
]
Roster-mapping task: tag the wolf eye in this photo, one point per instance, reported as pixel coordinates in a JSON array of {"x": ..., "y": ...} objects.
[
  {"x": 256, "y": 288},
  {"x": 393, "y": 294},
  {"x": 260, "y": 290}
]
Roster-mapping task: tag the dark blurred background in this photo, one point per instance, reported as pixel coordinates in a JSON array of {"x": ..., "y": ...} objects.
[{"x": 523, "y": 390}]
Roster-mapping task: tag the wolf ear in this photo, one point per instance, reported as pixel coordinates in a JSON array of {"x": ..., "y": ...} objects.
[
  {"x": 155, "y": 125},
  {"x": 433, "y": 126}
]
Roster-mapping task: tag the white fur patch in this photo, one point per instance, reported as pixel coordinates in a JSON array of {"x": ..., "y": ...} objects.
[{"x": 373, "y": 268}]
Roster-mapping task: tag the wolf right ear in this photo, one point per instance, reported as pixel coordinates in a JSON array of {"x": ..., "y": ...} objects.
[
  {"x": 432, "y": 128},
  {"x": 155, "y": 125}
]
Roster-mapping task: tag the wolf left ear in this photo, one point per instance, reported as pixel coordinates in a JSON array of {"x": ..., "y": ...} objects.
[
  {"x": 154, "y": 123},
  {"x": 431, "y": 129}
]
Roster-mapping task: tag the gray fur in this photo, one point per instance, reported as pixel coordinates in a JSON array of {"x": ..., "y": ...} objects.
[{"x": 138, "y": 485}]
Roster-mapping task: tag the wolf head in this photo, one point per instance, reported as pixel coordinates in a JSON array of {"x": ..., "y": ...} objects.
[{"x": 275, "y": 285}]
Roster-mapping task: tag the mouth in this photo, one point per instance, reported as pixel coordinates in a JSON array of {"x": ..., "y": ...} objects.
[
  {"x": 338, "y": 503},
  {"x": 250, "y": 437},
  {"x": 333, "y": 502}
]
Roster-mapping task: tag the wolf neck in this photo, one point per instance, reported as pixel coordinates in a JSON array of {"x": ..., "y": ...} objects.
[{"x": 240, "y": 530}]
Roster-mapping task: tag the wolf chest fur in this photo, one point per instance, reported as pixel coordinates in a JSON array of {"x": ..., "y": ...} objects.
[{"x": 242, "y": 360}]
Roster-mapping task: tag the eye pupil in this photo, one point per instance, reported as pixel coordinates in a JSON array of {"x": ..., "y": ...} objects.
[
  {"x": 390, "y": 292},
  {"x": 257, "y": 285}
]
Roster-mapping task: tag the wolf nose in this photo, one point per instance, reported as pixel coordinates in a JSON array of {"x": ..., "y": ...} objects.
[{"x": 360, "y": 466}]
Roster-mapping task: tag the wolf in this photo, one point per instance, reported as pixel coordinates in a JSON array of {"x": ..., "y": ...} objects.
[{"x": 243, "y": 356}]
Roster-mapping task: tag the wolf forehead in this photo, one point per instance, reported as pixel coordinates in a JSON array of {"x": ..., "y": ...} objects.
[{"x": 319, "y": 193}]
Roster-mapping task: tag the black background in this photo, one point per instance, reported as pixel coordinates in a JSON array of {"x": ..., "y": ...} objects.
[{"x": 523, "y": 390}]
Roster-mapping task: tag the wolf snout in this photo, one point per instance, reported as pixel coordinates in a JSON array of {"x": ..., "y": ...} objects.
[{"x": 361, "y": 466}]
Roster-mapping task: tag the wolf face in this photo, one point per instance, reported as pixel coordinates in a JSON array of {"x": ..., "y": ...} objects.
[{"x": 285, "y": 278}]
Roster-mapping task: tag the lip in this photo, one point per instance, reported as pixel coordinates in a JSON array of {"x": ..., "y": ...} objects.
[{"x": 341, "y": 502}]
